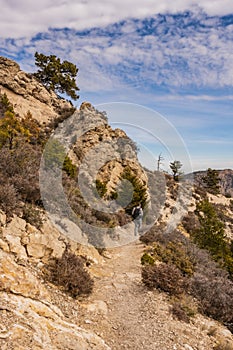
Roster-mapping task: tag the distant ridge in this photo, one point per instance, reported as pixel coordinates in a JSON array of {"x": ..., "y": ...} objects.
[{"x": 226, "y": 182}]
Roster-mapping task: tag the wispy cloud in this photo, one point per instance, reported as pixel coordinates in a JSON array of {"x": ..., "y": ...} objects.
[
  {"x": 184, "y": 51},
  {"x": 26, "y": 18}
]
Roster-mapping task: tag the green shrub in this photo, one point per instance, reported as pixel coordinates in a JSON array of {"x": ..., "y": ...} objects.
[
  {"x": 211, "y": 235},
  {"x": 101, "y": 188},
  {"x": 139, "y": 190},
  {"x": 147, "y": 259},
  {"x": 175, "y": 254},
  {"x": 69, "y": 168},
  {"x": 54, "y": 154},
  {"x": 5, "y": 105},
  {"x": 211, "y": 181}
]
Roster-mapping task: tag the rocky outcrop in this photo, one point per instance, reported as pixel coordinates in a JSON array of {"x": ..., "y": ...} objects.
[
  {"x": 104, "y": 151},
  {"x": 29, "y": 317},
  {"x": 226, "y": 180},
  {"x": 27, "y": 94}
]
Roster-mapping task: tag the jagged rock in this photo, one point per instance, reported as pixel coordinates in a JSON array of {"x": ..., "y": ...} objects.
[
  {"x": 19, "y": 280},
  {"x": 15, "y": 246},
  {"x": 29, "y": 319},
  {"x": 40, "y": 326},
  {"x": 91, "y": 254},
  {"x": 15, "y": 227},
  {"x": 27, "y": 94},
  {"x": 86, "y": 105}
]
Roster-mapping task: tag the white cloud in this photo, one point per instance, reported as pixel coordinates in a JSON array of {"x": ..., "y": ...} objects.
[
  {"x": 24, "y": 18},
  {"x": 173, "y": 52}
]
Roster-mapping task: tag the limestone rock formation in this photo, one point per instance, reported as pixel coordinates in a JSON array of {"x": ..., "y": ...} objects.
[
  {"x": 27, "y": 94},
  {"x": 29, "y": 319}
]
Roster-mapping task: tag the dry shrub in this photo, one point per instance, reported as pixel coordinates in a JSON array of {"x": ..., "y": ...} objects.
[
  {"x": 215, "y": 296},
  {"x": 8, "y": 199},
  {"x": 69, "y": 273},
  {"x": 32, "y": 215},
  {"x": 165, "y": 277},
  {"x": 179, "y": 312},
  {"x": 153, "y": 233},
  {"x": 183, "y": 308},
  {"x": 190, "y": 222}
]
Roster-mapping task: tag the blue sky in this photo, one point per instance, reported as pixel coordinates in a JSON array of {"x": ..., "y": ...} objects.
[{"x": 173, "y": 59}]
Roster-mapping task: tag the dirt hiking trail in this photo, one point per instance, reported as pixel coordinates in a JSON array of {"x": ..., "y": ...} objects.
[{"x": 128, "y": 316}]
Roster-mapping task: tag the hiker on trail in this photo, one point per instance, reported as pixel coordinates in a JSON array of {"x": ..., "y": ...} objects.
[{"x": 137, "y": 214}]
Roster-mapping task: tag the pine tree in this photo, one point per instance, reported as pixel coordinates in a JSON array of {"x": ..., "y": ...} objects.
[
  {"x": 211, "y": 181},
  {"x": 56, "y": 75},
  {"x": 175, "y": 167},
  {"x": 211, "y": 235}
]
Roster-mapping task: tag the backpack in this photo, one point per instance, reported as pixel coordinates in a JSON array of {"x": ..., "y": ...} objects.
[{"x": 136, "y": 212}]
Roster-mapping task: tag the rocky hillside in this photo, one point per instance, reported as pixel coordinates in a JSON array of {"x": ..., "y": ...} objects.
[
  {"x": 57, "y": 291},
  {"x": 31, "y": 315}
]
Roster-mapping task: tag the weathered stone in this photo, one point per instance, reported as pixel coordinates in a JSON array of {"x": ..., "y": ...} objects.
[
  {"x": 51, "y": 238},
  {"x": 39, "y": 326},
  {"x": 38, "y": 251},
  {"x": 98, "y": 307},
  {"x": 19, "y": 280},
  {"x": 16, "y": 247},
  {"x": 91, "y": 254},
  {"x": 187, "y": 347},
  {"x": 15, "y": 227}
]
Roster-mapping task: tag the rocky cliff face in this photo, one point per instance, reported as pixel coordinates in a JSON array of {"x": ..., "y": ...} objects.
[
  {"x": 226, "y": 180},
  {"x": 27, "y": 94}
]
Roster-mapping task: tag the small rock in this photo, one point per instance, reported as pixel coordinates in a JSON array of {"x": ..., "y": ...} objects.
[
  {"x": 99, "y": 306},
  {"x": 187, "y": 347},
  {"x": 88, "y": 321}
]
